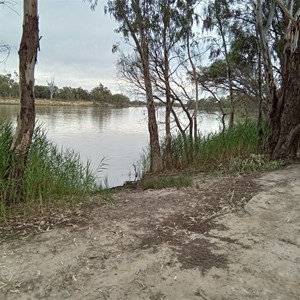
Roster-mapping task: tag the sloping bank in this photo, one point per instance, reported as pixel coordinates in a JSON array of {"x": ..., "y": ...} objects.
[{"x": 200, "y": 242}]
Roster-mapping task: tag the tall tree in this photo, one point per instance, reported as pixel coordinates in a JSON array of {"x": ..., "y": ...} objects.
[
  {"x": 26, "y": 119},
  {"x": 134, "y": 17},
  {"x": 164, "y": 41},
  {"x": 264, "y": 25},
  {"x": 284, "y": 93},
  {"x": 188, "y": 11},
  {"x": 171, "y": 28},
  {"x": 218, "y": 16},
  {"x": 52, "y": 87},
  {"x": 289, "y": 105}
]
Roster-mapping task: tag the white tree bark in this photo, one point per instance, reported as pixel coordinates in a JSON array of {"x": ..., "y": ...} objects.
[{"x": 26, "y": 119}]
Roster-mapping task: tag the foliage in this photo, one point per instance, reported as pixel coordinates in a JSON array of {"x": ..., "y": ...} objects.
[
  {"x": 235, "y": 150},
  {"x": 9, "y": 88},
  {"x": 278, "y": 28},
  {"x": 69, "y": 93},
  {"x": 6, "y": 134},
  {"x": 142, "y": 166},
  {"x": 100, "y": 93},
  {"x": 53, "y": 177},
  {"x": 42, "y": 92},
  {"x": 214, "y": 151},
  {"x": 253, "y": 163}
]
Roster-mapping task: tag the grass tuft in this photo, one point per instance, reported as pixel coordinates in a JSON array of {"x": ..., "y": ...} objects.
[
  {"x": 53, "y": 177},
  {"x": 237, "y": 150},
  {"x": 254, "y": 163}
]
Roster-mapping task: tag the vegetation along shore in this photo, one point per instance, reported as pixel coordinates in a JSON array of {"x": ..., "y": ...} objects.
[{"x": 211, "y": 216}]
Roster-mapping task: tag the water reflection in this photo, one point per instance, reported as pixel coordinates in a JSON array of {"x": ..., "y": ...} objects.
[{"x": 119, "y": 135}]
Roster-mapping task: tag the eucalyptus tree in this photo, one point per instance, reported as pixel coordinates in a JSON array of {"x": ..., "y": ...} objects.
[
  {"x": 283, "y": 93},
  {"x": 218, "y": 17},
  {"x": 170, "y": 51},
  {"x": 188, "y": 23},
  {"x": 163, "y": 40},
  {"x": 28, "y": 49},
  {"x": 171, "y": 31},
  {"x": 245, "y": 85},
  {"x": 243, "y": 55},
  {"x": 153, "y": 27},
  {"x": 129, "y": 68},
  {"x": 135, "y": 19},
  {"x": 52, "y": 87},
  {"x": 244, "y": 76}
]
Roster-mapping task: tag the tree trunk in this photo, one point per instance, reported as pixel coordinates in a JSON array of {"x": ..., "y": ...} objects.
[
  {"x": 156, "y": 158},
  {"x": 194, "y": 74},
  {"x": 285, "y": 123},
  {"x": 26, "y": 120},
  {"x": 168, "y": 140},
  {"x": 284, "y": 117},
  {"x": 275, "y": 105},
  {"x": 169, "y": 151},
  {"x": 141, "y": 42},
  {"x": 259, "y": 95},
  {"x": 228, "y": 72}
]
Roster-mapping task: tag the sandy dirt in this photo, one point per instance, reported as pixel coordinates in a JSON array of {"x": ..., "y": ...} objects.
[{"x": 222, "y": 238}]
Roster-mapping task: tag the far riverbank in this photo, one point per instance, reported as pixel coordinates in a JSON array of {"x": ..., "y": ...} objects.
[{"x": 48, "y": 102}]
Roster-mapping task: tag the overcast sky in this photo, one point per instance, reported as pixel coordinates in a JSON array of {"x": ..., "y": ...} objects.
[{"x": 75, "y": 46}]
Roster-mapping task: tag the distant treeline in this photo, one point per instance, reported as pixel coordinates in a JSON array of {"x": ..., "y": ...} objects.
[
  {"x": 9, "y": 88},
  {"x": 101, "y": 95}
]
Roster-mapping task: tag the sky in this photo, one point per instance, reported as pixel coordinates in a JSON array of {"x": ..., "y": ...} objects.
[{"x": 75, "y": 46}]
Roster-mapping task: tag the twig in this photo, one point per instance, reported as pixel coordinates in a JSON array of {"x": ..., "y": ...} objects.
[
  {"x": 231, "y": 198},
  {"x": 220, "y": 213},
  {"x": 201, "y": 293}
]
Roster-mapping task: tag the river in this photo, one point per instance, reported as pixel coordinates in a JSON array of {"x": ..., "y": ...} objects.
[{"x": 116, "y": 135}]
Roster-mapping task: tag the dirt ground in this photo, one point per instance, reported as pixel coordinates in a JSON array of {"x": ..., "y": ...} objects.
[{"x": 206, "y": 242}]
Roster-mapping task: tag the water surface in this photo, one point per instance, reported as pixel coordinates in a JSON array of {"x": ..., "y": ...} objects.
[{"x": 117, "y": 135}]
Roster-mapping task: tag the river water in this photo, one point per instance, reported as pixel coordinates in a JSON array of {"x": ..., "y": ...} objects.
[{"x": 116, "y": 135}]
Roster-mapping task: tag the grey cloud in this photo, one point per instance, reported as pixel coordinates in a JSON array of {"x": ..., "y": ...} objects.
[{"x": 75, "y": 45}]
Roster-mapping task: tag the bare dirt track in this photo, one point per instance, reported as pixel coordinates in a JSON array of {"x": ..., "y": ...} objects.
[{"x": 202, "y": 242}]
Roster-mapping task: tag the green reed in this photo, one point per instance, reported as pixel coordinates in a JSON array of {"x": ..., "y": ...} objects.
[
  {"x": 237, "y": 150},
  {"x": 53, "y": 176}
]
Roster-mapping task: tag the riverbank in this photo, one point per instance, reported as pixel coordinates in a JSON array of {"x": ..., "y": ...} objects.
[
  {"x": 222, "y": 238},
  {"x": 46, "y": 102},
  {"x": 78, "y": 103}
]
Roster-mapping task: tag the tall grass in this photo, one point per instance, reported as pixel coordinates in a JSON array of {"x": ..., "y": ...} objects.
[
  {"x": 215, "y": 151},
  {"x": 53, "y": 177},
  {"x": 235, "y": 150}
]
